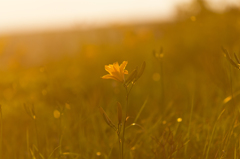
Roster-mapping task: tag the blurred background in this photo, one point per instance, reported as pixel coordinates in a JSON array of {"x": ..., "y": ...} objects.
[
  {"x": 27, "y": 18},
  {"x": 26, "y": 15},
  {"x": 52, "y": 58}
]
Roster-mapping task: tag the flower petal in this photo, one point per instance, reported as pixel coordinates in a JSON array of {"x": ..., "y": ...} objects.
[
  {"x": 116, "y": 72},
  {"x": 122, "y": 66},
  {"x": 118, "y": 75},
  {"x": 109, "y": 68},
  {"x": 116, "y": 67},
  {"x": 111, "y": 77}
]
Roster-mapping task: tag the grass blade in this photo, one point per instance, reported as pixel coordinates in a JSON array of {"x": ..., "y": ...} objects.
[{"x": 140, "y": 111}]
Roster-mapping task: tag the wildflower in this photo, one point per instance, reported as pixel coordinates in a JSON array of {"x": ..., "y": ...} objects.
[{"x": 116, "y": 72}]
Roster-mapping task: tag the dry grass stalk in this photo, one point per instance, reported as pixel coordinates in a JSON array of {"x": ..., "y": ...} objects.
[
  {"x": 226, "y": 54},
  {"x": 140, "y": 72},
  {"x": 107, "y": 119}
]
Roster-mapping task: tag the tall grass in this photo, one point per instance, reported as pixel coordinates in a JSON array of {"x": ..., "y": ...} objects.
[{"x": 184, "y": 106}]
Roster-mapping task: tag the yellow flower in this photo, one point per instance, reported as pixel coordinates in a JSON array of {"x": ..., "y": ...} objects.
[{"x": 116, "y": 72}]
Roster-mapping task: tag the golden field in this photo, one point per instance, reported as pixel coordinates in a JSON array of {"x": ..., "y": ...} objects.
[{"x": 185, "y": 105}]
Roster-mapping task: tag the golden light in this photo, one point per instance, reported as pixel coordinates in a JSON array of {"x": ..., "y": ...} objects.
[
  {"x": 98, "y": 153},
  {"x": 56, "y": 114},
  {"x": 179, "y": 120}
]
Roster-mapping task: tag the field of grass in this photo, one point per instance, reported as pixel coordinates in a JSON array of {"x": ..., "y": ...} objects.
[{"x": 185, "y": 105}]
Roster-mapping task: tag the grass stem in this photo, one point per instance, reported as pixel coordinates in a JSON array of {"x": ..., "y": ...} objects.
[
  {"x": 1, "y": 135},
  {"x": 125, "y": 117}
]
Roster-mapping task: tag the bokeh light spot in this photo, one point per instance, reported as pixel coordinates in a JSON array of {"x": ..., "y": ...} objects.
[
  {"x": 179, "y": 120},
  {"x": 227, "y": 99},
  {"x": 193, "y": 18},
  {"x": 67, "y": 106},
  {"x": 56, "y": 114},
  {"x": 98, "y": 153}
]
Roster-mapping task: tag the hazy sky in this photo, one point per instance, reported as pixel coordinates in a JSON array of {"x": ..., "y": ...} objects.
[{"x": 17, "y": 15}]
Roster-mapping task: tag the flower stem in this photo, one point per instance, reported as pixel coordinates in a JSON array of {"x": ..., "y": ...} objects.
[
  {"x": 162, "y": 82},
  {"x": 119, "y": 141},
  {"x": 125, "y": 116}
]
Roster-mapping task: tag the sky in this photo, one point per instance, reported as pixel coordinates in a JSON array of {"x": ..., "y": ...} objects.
[{"x": 31, "y": 15}]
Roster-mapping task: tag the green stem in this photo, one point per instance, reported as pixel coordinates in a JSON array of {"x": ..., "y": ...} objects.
[
  {"x": 189, "y": 124},
  {"x": 124, "y": 123},
  {"x": 125, "y": 116},
  {"x": 162, "y": 82},
  {"x": 60, "y": 134},
  {"x": 119, "y": 141},
  {"x": 36, "y": 130}
]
